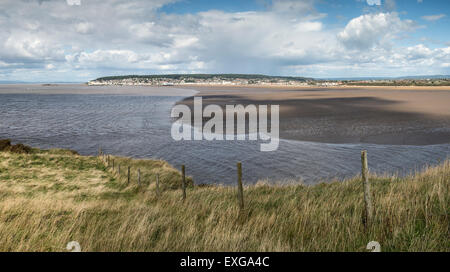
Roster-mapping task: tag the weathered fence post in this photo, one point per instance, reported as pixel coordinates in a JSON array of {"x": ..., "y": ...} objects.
[
  {"x": 157, "y": 184},
  {"x": 128, "y": 179},
  {"x": 113, "y": 164},
  {"x": 118, "y": 169},
  {"x": 240, "y": 189},
  {"x": 367, "y": 195},
  {"x": 183, "y": 185},
  {"x": 139, "y": 177}
]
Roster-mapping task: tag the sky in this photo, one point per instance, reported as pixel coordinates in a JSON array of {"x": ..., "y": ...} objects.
[{"x": 80, "y": 40}]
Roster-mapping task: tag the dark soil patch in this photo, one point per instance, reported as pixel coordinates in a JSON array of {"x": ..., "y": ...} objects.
[{"x": 5, "y": 145}]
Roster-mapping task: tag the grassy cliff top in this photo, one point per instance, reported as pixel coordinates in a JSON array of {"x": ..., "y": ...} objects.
[{"x": 48, "y": 198}]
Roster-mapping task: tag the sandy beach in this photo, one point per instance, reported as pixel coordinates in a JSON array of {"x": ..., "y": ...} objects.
[{"x": 381, "y": 115}]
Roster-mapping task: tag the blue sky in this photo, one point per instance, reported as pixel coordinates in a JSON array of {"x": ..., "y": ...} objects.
[
  {"x": 339, "y": 12},
  {"x": 79, "y": 40}
]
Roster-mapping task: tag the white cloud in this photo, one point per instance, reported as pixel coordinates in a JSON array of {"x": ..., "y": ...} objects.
[
  {"x": 84, "y": 27},
  {"x": 308, "y": 26},
  {"x": 73, "y": 2},
  {"x": 185, "y": 41},
  {"x": 108, "y": 58},
  {"x": 433, "y": 17},
  {"x": 26, "y": 47},
  {"x": 374, "y": 2},
  {"x": 370, "y": 30}
]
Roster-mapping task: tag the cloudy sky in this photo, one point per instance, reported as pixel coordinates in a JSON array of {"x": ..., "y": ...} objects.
[{"x": 79, "y": 40}]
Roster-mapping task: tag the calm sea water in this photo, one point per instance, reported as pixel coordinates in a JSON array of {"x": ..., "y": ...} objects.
[{"x": 139, "y": 126}]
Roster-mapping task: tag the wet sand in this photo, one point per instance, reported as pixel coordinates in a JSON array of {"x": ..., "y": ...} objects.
[{"x": 380, "y": 115}]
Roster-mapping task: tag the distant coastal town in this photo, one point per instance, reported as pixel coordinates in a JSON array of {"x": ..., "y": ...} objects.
[
  {"x": 202, "y": 79},
  {"x": 260, "y": 80}
]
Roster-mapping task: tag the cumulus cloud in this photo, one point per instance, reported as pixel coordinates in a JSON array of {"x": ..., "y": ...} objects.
[
  {"x": 370, "y": 30},
  {"x": 26, "y": 47}
]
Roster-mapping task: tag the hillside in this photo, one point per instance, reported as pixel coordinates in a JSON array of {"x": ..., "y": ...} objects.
[
  {"x": 259, "y": 80},
  {"x": 182, "y": 79},
  {"x": 48, "y": 198},
  {"x": 207, "y": 76}
]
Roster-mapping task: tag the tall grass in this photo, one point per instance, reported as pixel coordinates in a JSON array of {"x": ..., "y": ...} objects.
[{"x": 49, "y": 198}]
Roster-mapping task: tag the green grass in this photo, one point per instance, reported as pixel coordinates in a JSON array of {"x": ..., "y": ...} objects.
[{"x": 48, "y": 198}]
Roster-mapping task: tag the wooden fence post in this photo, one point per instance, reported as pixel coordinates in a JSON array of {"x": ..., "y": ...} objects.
[
  {"x": 139, "y": 177},
  {"x": 113, "y": 164},
  {"x": 240, "y": 189},
  {"x": 118, "y": 169},
  {"x": 128, "y": 179},
  {"x": 367, "y": 194},
  {"x": 183, "y": 186},
  {"x": 157, "y": 184}
]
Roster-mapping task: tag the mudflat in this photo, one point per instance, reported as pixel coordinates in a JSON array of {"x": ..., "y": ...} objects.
[{"x": 381, "y": 115}]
